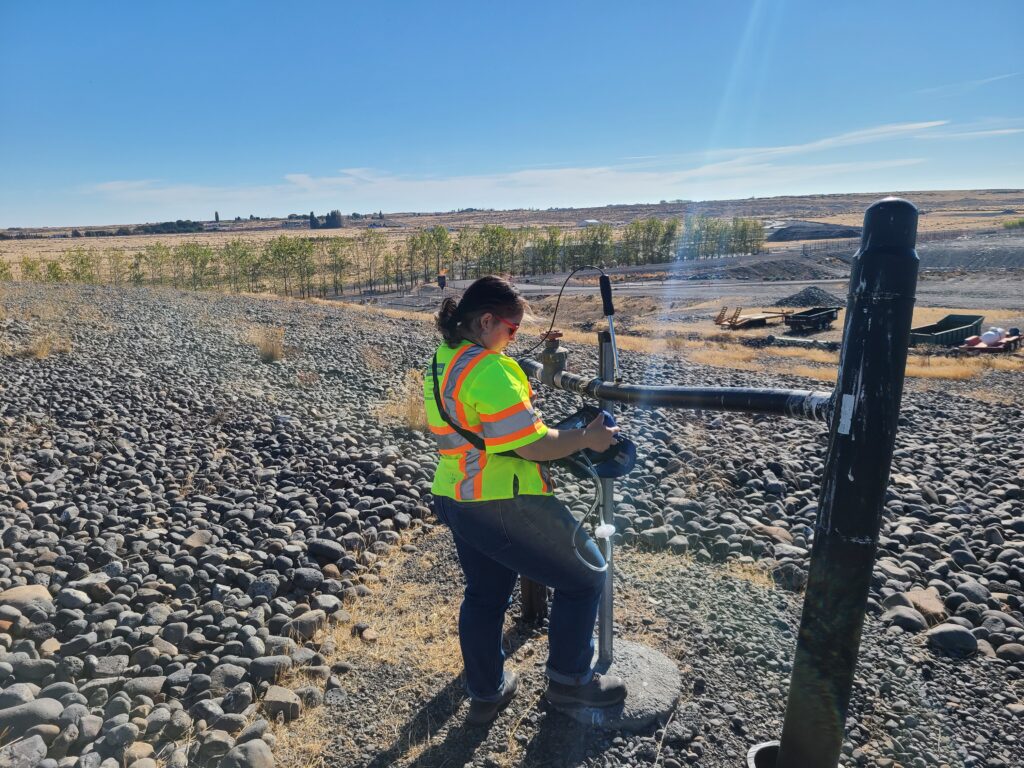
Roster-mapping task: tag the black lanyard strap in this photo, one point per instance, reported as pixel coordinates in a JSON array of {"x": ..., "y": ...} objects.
[{"x": 468, "y": 436}]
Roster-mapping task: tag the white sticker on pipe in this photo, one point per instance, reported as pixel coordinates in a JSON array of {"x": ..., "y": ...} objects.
[{"x": 845, "y": 414}]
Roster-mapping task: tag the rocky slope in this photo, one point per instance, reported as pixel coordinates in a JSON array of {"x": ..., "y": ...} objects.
[{"x": 179, "y": 521}]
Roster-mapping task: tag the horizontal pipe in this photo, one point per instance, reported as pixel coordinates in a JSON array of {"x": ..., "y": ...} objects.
[{"x": 797, "y": 403}]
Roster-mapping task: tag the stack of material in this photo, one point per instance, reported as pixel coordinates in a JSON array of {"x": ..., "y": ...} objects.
[{"x": 811, "y": 297}]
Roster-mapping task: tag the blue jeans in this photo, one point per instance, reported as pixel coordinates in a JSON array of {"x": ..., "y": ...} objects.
[{"x": 532, "y": 536}]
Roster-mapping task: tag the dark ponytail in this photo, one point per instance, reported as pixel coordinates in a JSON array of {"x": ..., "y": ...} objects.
[
  {"x": 448, "y": 321},
  {"x": 488, "y": 294}
]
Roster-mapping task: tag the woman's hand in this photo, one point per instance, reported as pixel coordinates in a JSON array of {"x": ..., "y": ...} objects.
[
  {"x": 598, "y": 437},
  {"x": 559, "y": 443}
]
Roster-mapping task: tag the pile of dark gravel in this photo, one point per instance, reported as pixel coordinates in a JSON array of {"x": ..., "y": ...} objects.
[
  {"x": 178, "y": 519},
  {"x": 811, "y": 297},
  {"x": 812, "y": 230}
]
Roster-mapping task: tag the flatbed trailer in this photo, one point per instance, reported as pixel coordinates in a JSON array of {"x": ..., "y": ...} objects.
[
  {"x": 737, "y": 321},
  {"x": 811, "y": 320},
  {"x": 974, "y": 344}
]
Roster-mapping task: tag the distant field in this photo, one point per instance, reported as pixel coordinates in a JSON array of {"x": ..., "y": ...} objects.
[
  {"x": 942, "y": 211},
  {"x": 941, "y": 220},
  {"x": 51, "y": 248}
]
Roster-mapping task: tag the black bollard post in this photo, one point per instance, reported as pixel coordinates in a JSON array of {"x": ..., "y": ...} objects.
[
  {"x": 605, "y": 614},
  {"x": 863, "y": 429},
  {"x": 534, "y": 599}
]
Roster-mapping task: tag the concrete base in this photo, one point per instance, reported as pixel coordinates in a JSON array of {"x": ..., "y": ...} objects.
[
  {"x": 763, "y": 755},
  {"x": 653, "y": 683}
]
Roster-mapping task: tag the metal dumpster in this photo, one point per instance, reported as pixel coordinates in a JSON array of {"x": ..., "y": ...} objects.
[{"x": 950, "y": 331}]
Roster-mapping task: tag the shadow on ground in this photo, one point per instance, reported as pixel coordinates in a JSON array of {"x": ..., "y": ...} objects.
[{"x": 461, "y": 741}]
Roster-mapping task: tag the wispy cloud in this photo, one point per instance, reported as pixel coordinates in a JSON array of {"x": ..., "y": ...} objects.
[
  {"x": 741, "y": 155},
  {"x": 976, "y": 129},
  {"x": 973, "y": 134},
  {"x": 721, "y": 173},
  {"x": 956, "y": 89},
  {"x": 863, "y": 136},
  {"x": 537, "y": 187}
]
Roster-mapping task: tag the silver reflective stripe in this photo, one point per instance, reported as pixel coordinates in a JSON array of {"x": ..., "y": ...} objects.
[
  {"x": 472, "y": 470},
  {"x": 510, "y": 424},
  {"x": 452, "y": 376},
  {"x": 450, "y": 441}
]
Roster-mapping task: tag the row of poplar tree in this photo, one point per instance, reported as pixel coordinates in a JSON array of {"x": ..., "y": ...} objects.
[{"x": 373, "y": 260}]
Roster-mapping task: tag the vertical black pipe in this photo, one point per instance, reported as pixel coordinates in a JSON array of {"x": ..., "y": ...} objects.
[
  {"x": 534, "y": 601},
  {"x": 867, "y": 402},
  {"x": 606, "y": 610}
]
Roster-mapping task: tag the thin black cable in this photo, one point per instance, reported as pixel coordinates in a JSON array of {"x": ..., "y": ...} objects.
[{"x": 558, "y": 301}]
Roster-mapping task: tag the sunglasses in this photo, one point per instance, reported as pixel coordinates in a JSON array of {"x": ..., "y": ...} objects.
[{"x": 512, "y": 327}]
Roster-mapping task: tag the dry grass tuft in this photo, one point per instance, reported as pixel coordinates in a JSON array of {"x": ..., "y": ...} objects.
[
  {"x": 758, "y": 573},
  {"x": 814, "y": 355},
  {"x": 404, "y": 405},
  {"x": 649, "y": 567},
  {"x": 668, "y": 327},
  {"x": 645, "y": 568},
  {"x": 413, "y": 621},
  {"x": 638, "y": 344},
  {"x": 963, "y": 367},
  {"x": 269, "y": 342},
  {"x": 726, "y": 356},
  {"x": 958, "y": 369},
  {"x": 571, "y": 308},
  {"x": 953, "y": 368},
  {"x": 918, "y": 366},
  {"x": 632, "y": 343},
  {"x": 371, "y": 309},
  {"x": 42, "y": 345},
  {"x": 982, "y": 395},
  {"x": 373, "y": 359},
  {"x": 1001, "y": 363},
  {"x": 810, "y": 372},
  {"x": 928, "y": 315}
]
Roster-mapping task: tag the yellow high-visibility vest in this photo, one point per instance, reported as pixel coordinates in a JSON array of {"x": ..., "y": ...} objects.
[{"x": 488, "y": 394}]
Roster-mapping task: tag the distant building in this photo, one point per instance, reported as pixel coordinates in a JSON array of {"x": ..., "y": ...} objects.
[{"x": 589, "y": 223}]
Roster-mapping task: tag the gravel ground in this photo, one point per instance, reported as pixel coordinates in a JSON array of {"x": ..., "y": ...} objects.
[
  {"x": 183, "y": 526},
  {"x": 733, "y": 636}
]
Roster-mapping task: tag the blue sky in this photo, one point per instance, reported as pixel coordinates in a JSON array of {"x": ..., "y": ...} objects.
[{"x": 127, "y": 112}]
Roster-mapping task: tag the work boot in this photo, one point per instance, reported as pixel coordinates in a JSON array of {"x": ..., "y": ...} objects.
[
  {"x": 601, "y": 691},
  {"x": 483, "y": 712}
]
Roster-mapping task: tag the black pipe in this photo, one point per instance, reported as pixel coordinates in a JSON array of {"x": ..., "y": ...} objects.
[
  {"x": 797, "y": 403},
  {"x": 608, "y": 308},
  {"x": 883, "y": 280}
]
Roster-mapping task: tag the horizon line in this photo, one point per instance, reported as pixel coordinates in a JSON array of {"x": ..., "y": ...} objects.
[{"x": 470, "y": 209}]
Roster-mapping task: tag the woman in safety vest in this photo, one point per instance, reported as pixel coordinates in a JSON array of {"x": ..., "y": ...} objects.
[{"x": 494, "y": 493}]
